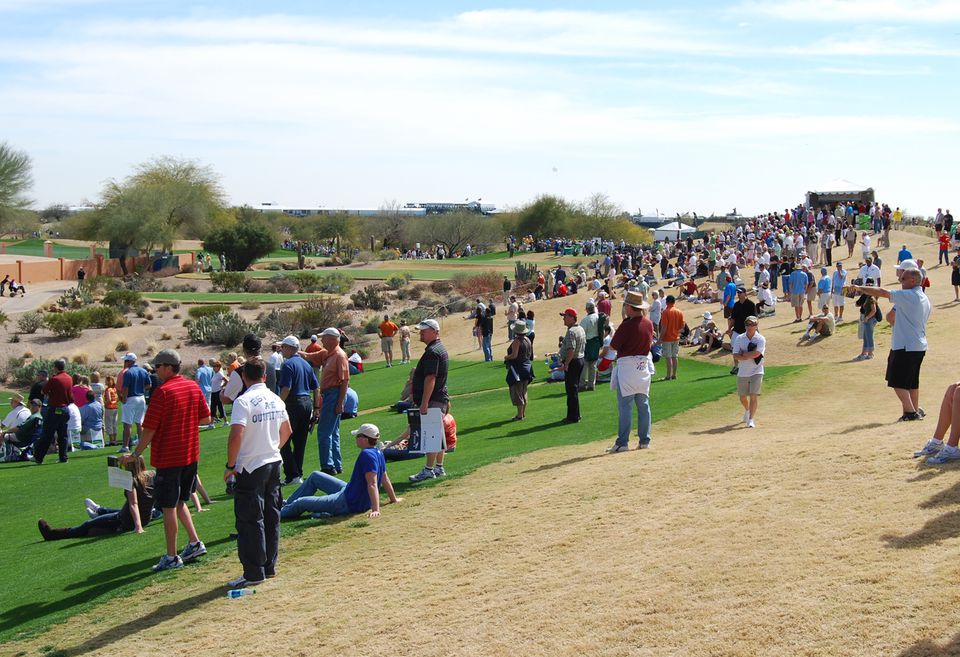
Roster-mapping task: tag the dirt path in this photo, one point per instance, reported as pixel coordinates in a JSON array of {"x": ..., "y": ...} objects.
[
  {"x": 36, "y": 296},
  {"x": 814, "y": 534}
]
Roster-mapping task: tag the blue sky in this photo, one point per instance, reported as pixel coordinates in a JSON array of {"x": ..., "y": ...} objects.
[{"x": 674, "y": 106}]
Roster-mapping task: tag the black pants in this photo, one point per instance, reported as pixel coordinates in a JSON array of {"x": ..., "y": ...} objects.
[
  {"x": 829, "y": 251},
  {"x": 107, "y": 521},
  {"x": 256, "y": 504},
  {"x": 571, "y": 381},
  {"x": 54, "y": 424},
  {"x": 216, "y": 404},
  {"x": 300, "y": 409}
]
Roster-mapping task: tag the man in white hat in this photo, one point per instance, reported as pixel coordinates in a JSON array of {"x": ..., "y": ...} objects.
[
  {"x": 908, "y": 346},
  {"x": 299, "y": 389},
  {"x": 134, "y": 386},
  {"x": 360, "y": 494},
  {"x": 633, "y": 372},
  {"x": 334, "y": 382}
]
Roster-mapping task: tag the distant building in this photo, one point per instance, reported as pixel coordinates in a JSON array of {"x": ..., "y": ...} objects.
[
  {"x": 303, "y": 211},
  {"x": 839, "y": 191},
  {"x": 443, "y": 208}
]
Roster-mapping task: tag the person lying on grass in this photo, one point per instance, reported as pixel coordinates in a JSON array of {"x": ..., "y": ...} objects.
[
  {"x": 133, "y": 515},
  {"x": 360, "y": 494}
]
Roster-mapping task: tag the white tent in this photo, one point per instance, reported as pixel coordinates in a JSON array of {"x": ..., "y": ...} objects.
[{"x": 672, "y": 231}]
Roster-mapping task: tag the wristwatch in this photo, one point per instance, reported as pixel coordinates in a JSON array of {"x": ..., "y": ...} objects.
[{"x": 230, "y": 467}]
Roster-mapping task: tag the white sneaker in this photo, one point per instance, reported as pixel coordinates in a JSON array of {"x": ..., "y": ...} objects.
[
  {"x": 750, "y": 424},
  {"x": 945, "y": 455},
  {"x": 931, "y": 447},
  {"x": 746, "y": 416},
  {"x": 92, "y": 507},
  {"x": 616, "y": 449}
]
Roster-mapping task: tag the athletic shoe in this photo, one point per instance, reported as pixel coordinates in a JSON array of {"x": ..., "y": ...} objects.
[
  {"x": 168, "y": 563},
  {"x": 92, "y": 507},
  {"x": 423, "y": 475},
  {"x": 932, "y": 446},
  {"x": 746, "y": 416},
  {"x": 438, "y": 471},
  {"x": 921, "y": 412},
  {"x": 193, "y": 550},
  {"x": 616, "y": 449},
  {"x": 751, "y": 424},
  {"x": 910, "y": 417},
  {"x": 242, "y": 582},
  {"x": 295, "y": 480},
  {"x": 948, "y": 453},
  {"x": 643, "y": 446},
  {"x": 123, "y": 450}
]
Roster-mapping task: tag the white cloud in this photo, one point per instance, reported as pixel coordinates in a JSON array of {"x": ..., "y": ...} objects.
[{"x": 856, "y": 11}]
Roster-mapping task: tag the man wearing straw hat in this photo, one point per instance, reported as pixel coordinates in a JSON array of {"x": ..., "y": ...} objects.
[{"x": 634, "y": 371}]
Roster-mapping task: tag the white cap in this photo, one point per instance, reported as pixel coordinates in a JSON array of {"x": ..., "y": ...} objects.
[
  {"x": 368, "y": 430},
  {"x": 331, "y": 331},
  {"x": 130, "y": 356},
  {"x": 908, "y": 265},
  {"x": 428, "y": 324},
  {"x": 291, "y": 341},
  {"x": 313, "y": 338}
]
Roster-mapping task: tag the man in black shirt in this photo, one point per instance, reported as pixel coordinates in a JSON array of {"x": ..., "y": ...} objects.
[
  {"x": 429, "y": 388},
  {"x": 742, "y": 308},
  {"x": 36, "y": 390}
]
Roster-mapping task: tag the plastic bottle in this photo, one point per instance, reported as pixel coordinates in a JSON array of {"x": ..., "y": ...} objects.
[{"x": 239, "y": 593}]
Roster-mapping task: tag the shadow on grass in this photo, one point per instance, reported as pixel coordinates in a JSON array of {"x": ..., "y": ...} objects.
[
  {"x": 561, "y": 464},
  {"x": 930, "y": 648},
  {"x": 933, "y": 531}
]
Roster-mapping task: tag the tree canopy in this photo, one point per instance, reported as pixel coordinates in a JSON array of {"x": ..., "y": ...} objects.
[
  {"x": 248, "y": 239},
  {"x": 16, "y": 178}
]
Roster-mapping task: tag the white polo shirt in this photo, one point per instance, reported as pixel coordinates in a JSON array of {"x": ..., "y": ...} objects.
[
  {"x": 16, "y": 417},
  {"x": 261, "y": 413}
]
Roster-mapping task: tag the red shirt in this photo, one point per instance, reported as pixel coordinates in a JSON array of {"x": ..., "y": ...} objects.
[
  {"x": 604, "y": 306},
  {"x": 174, "y": 413},
  {"x": 634, "y": 337},
  {"x": 59, "y": 390},
  {"x": 944, "y": 242}
]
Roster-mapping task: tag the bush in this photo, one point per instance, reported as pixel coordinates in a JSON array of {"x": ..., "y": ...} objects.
[
  {"x": 441, "y": 287},
  {"x": 315, "y": 314},
  {"x": 332, "y": 283},
  {"x": 66, "y": 325},
  {"x": 413, "y": 293},
  {"x": 227, "y": 329},
  {"x": 80, "y": 359},
  {"x": 249, "y": 305},
  {"x": 372, "y": 324},
  {"x": 396, "y": 281},
  {"x": 109, "y": 357},
  {"x": 196, "y": 312},
  {"x": 370, "y": 297},
  {"x": 245, "y": 241},
  {"x": 387, "y": 254},
  {"x": 75, "y": 298},
  {"x": 281, "y": 285},
  {"x": 414, "y": 315},
  {"x": 228, "y": 281},
  {"x": 124, "y": 300},
  {"x": 122, "y": 346},
  {"x": 98, "y": 284},
  {"x": 25, "y": 374},
  {"x": 102, "y": 317},
  {"x": 29, "y": 322},
  {"x": 164, "y": 308},
  {"x": 473, "y": 285}
]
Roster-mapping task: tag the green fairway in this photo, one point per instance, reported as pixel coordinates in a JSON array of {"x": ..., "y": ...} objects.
[
  {"x": 226, "y": 297},
  {"x": 34, "y": 247},
  {"x": 78, "y": 574},
  {"x": 356, "y": 272}
]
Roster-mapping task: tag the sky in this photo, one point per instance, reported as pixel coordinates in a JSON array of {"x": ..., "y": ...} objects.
[{"x": 663, "y": 106}]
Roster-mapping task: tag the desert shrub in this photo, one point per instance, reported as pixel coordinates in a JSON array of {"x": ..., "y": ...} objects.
[
  {"x": 387, "y": 254},
  {"x": 109, "y": 357},
  {"x": 80, "y": 359},
  {"x": 25, "y": 374},
  {"x": 370, "y": 297},
  {"x": 150, "y": 348},
  {"x": 313, "y": 315},
  {"x": 227, "y": 329},
  {"x": 332, "y": 283},
  {"x": 29, "y": 322},
  {"x": 414, "y": 315},
  {"x": 174, "y": 304},
  {"x": 148, "y": 317},
  {"x": 102, "y": 317},
  {"x": 441, "y": 287},
  {"x": 122, "y": 346},
  {"x": 75, "y": 298},
  {"x": 472, "y": 285},
  {"x": 4, "y": 319},
  {"x": 27, "y": 355},
  {"x": 142, "y": 283},
  {"x": 166, "y": 336},
  {"x": 185, "y": 287},
  {"x": 274, "y": 266},
  {"x": 256, "y": 286},
  {"x": 164, "y": 308},
  {"x": 196, "y": 312},
  {"x": 68, "y": 324},
  {"x": 15, "y": 338},
  {"x": 280, "y": 284},
  {"x": 176, "y": 315},
  {"x": 365, "y": 256},
  {"x": 398, "y": 280},
  {"x": 371, "y": 324},
  {"x": 227, "y": 281},
  {"x": 124, "y": 300},
  {"x": 101, "y": 284}
]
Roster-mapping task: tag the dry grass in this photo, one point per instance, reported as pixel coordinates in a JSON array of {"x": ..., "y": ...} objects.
[
  {"x": 123, "y": 345},
  {"x": 80, "y": 358}
]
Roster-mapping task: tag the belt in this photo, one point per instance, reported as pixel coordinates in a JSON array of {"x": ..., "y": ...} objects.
[{"x": 302, "y": 397}]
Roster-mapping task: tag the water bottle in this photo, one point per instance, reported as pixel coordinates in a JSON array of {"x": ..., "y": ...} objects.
[{"x": 239, "y": 593}]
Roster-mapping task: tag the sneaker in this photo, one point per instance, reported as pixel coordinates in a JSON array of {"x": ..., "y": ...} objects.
[
  {"x": 910, "y": 417},
  {"x": 643, "y": 446},
  {"x": 932, "y": 446},
  {"x": 92, "y": 507},
  {"x": 948, "y": 453},
  {"x": 168, "y": 563},
  {"x": 123, "y": 450},
  {"x": 243, "y": 582},
  {"x": 296, "y": 481},
  {"x": 193, "y": 550},
  {"x": 616, "y": 449},
  {"x": 921, "y": 412},
  {"x": 746, "y": 416},
  {"x": 423, "y": 475},
  {"x": 438, "y": 471},
  {"x": 751, "y": 424}
]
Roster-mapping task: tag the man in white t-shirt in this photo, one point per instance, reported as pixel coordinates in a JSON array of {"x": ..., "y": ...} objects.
[
  {"x": 18, "y": 413},
  {"x": 274, "y": 363},
  {"x": 748, "y": 349},
  {"x": 259, "y": 427}
]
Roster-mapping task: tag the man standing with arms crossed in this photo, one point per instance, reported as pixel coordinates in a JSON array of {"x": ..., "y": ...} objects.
[
  {"x": 429, "y": 389},
  {"x": 171, "y": 428},
  {"x": 634, "y": 369},
  {"x": 136, "y": 382},
  {"x": 259, "y": 427},
  {"x": 298, "y": 389},
  {"x": 571, "y": 353},
  {"x": 334, "y": 381}
]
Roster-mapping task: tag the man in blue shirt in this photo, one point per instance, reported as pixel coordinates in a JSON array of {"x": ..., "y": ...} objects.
[
  {"x": 729, "y": 297},
  {"x": 91, "y": 420},
  {"x": 136, "y": 382},
  {"x": 837, "y": 282},
  {"x": 204, "y": 378},
  {"x": 299, "y": 390},
  {"x": 797, "y": 285},
  {"x": 360, "y": 494},
  {"x": 351, "y": 405},
  {"x": 904, "y": 254}
]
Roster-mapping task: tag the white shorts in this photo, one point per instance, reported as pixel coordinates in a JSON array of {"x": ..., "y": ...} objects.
[
  {"x": 134, "y": 409},
  {"x": 839, "y": 300}
]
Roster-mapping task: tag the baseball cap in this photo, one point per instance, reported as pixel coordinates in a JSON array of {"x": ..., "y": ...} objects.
[
  {"x": 331, "y": 332},
  {"x": 367, "y": 430},
  {"x": 166, "y": 357},
  {"x": 741, "y": 289},
  {"x": 130, "y": 356},
  {"x": 908, "y": 265},
  {"x": 752, "y": 319},
  {"x": 291, "y": 341},
  {"x": 569, "y": 311},
  {"x": 428, "y": 324},
  {"x": 313, "y": 338}
]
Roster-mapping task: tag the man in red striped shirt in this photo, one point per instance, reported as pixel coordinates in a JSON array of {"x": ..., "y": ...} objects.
[{"x": 171, "y": 429}]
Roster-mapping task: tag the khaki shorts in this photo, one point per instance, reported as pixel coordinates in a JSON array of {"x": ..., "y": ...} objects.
[
  {"x": 670, "y": 349},
  {"x": 518, "y": 393},
  {"x": 796, "y": 300},
  {"x": 749, "y": 385},
  {"x": 386, "y": 345}
]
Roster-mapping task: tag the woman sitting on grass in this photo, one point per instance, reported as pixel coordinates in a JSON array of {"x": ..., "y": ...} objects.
[{"x": 133, "y": 515}]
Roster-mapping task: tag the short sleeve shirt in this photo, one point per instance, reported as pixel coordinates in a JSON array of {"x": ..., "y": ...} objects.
[
  {"x": 575, "y": 340},
  {"x": 433, "y": 361},
  {"x": 261, "y": 413},
  {"x": 204, "y": 378},
  {"x": 136, "y": 380},
  {"x": 355, "y": 494},
  {"x": 336, "y": 370},
  {"x": 388, "y": 329},
  {"x": 747, "y": 368},
  {"x": 671, "y": 323},
  {"x": 174, "y": 414},
  {"x": 913, "y": 311},
  {"x": 297, "y": 375}
]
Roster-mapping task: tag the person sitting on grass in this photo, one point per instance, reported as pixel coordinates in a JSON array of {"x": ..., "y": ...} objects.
[
  {"x": 25, "y": 434},
  {"x": 360, "y": 494},
  {"x": 399, "y": 449},
  {"x": 935, "y": 450},
  {"x": 134, "y": 515},
  {"x": 766, "y": 301},
  {"x": 355, "y": 363},
  {"x": 823, "y": 324},
  {"x": 406, "y": 396}
]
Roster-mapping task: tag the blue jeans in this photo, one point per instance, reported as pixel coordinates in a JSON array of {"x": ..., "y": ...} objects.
[
  {"x": 328, "y": 430},
  {"x": 488, "y": 347},
  {"x": 624, "y": 404},
  {"x": 303, "y": 499},
  {"x": 868, "y": 327}
]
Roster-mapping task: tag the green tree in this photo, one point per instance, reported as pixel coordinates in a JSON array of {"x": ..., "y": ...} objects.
[
  {"x": 16, "y": 178},
  {"x": 165, "y": 199},
  {"x": 243, "y": 242},
  {"x": 454, "y": 230},
  {"x": 548, "y": 216}
]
